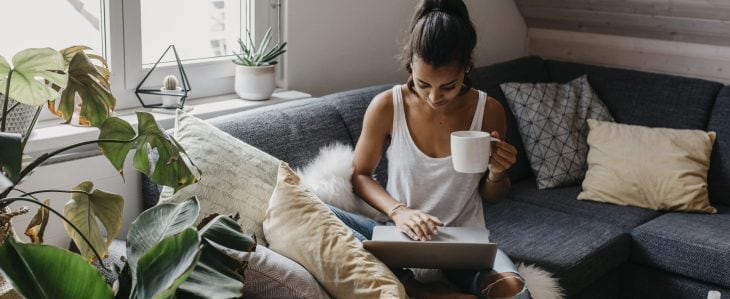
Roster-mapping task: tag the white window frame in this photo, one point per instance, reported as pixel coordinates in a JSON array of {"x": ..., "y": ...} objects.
[{"x": 208, "y": 77}]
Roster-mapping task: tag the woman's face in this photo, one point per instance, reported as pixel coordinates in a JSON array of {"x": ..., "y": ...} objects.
[{"x": 437, "y": 86}]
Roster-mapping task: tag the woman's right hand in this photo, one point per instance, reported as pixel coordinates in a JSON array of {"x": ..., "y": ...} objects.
[{"x": 416, "y": 224}]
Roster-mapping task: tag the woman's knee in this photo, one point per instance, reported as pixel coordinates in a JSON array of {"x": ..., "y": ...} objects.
[{"x": 502, "y": 285}]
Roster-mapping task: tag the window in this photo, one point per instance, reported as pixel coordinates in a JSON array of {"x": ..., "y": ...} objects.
[
  {"x": 132, "y": 34},
  {"x": 204, "y": 32},
  {"x": 199, "y": 29},
  {"x": 59, "y": 24}
]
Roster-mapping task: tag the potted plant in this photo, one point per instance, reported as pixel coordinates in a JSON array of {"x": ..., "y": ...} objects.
[
  {"x": 166, "y": 256},
  {"x": 255, "y": 64},
  {"x": 170, "y": 89},
  {"x": 19, "y": 115}
]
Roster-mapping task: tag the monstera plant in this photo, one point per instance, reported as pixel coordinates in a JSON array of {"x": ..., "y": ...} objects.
[{"x": 166, "y": 256}]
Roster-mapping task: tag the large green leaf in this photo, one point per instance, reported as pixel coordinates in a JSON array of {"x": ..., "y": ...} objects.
[
  {"x": 156, "y": 224},
  {"x": 30, "y": 65},
  {"x": 117, "y": 129},
  {"x": 92, "y": 87},
  {"x": 226, "y": 232},
  {"x": 215, "y": 267},
  {"x": 11, "y": 155},
  {"x": 4, "y": 69},
  {"x": 84, "y": 210},
  {"x": 216, "y": 275},
  {"x": 171, "y": 167},
  {"x": 101, "y": 65},
  {"x": 41, "y": 271},
  {"x": 167, "y": 265}
]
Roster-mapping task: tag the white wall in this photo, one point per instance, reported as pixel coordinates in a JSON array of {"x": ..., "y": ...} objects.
[
  {"x": 335, "y": 45},
  {"x": 65, "y": 175}
]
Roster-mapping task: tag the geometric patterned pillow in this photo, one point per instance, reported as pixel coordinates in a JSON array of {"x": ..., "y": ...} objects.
[{"x": 551, "y": 118}]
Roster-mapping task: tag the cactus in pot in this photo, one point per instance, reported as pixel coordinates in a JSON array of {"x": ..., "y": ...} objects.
[{"x": 170, "y": 84}]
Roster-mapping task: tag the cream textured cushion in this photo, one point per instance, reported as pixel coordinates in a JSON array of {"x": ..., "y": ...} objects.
[
  {"x": 299, "y": 226},
  {"x": 654, "y": 168},
  {"x": 236, "y": 177}
]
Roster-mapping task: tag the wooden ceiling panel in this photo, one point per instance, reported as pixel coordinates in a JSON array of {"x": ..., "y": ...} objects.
[{"x": 695, "y": 21}]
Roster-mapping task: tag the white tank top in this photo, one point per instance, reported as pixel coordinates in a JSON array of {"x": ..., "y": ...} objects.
[{"x": 431, "y": 184}]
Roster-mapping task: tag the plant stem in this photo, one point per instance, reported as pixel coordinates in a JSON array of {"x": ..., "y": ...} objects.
[
  {"x": 7, "y": 99},
  {"x": 26, "y": 137},
  {"x": 13, "y": 107},
  {"x": 31, "y": 196},
  {"x": 46, "y": 156},
  {"x": 12, "y": 199},
  {"x": 54, "y": 191}
]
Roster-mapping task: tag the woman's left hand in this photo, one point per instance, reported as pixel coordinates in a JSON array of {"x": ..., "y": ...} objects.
[{"x": 504, "y": 155}]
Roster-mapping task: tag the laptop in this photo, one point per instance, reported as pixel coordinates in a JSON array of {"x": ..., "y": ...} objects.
[{"x": 452, "y": 248}]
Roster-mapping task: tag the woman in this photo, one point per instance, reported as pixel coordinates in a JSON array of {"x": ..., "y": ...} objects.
[{"x": 423, "y": 190}]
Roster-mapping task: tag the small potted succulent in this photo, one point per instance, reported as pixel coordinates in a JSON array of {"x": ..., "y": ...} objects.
[
  {"x": 255, "y": 78},
  {"x": 170, "y": 89}
]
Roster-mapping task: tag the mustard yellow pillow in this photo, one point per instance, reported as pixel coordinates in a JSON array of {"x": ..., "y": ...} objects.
[
  {"x": 300, "y": 226},
  {"x": 654, "y": 168}
]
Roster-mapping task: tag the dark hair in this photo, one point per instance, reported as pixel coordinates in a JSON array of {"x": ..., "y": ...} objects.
[{"x": 441, "y": 33}]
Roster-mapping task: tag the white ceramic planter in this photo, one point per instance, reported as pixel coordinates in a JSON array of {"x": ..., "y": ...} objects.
[
  {"x": 255, "y": 83},
  {"x": 171, "y": 101}
]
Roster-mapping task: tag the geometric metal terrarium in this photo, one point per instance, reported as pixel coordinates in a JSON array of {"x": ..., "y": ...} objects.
[{"x": 154, "y": 97}]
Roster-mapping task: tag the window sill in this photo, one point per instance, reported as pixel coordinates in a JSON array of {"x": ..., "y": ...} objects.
[{"x": 49, "y": 135}]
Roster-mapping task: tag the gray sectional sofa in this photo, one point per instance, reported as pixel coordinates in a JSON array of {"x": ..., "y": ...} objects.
[{"x": 596, "y": 250}]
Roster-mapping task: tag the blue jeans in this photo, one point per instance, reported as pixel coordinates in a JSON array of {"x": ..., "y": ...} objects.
[{"x": 470, "y": 281}]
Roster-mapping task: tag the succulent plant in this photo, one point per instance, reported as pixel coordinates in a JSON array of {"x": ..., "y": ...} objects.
[
  {"x": 252, "y": 55},
  {"x": 170, "y": 82}
]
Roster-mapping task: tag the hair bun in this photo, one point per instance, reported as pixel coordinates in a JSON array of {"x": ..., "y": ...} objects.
[{"x": 455, "y": 8}]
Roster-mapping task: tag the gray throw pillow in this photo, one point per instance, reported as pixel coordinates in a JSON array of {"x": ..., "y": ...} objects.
[
  {"x": 552, "y": 122},
  {"x": 271, "y": 275}
]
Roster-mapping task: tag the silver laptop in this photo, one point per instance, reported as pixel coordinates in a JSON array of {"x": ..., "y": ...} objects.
[{"x": 452, "y": 248}]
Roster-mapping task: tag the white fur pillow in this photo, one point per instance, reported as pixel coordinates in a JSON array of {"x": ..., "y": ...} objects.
[{"x": 328, "y": 176}]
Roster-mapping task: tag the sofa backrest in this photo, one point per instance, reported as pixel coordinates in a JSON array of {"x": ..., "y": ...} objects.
[
  {"x": 719, "y": 177},
  {"x": 293, "y": 132},
  {"x": 352, "y": 105},
  {"x": 646, "y": 99},
  {"x": 528, "y": 69},
  {"x": 657, "y": 100}
]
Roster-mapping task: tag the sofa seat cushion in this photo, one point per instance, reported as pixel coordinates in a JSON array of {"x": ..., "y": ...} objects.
[
  {"x": 645, "y": 99},
  {"x": 719, "y": 175},
  {"x": 637, "y": 281},
  {"x": 693, "y": 245},
  {"x": 292, "y": 132},
  {"x": 577, "y": 250},
  {"x": 565, "y": 200}
]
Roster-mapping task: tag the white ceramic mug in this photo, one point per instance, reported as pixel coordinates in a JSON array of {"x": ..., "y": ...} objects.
[{"x": 470, "y": 151}]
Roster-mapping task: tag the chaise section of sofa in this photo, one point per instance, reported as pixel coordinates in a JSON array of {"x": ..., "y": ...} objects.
[{"x": 592, "y": 247}]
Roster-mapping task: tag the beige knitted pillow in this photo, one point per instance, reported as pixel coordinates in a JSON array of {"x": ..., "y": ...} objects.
[{"x": 236, "y": 177}]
